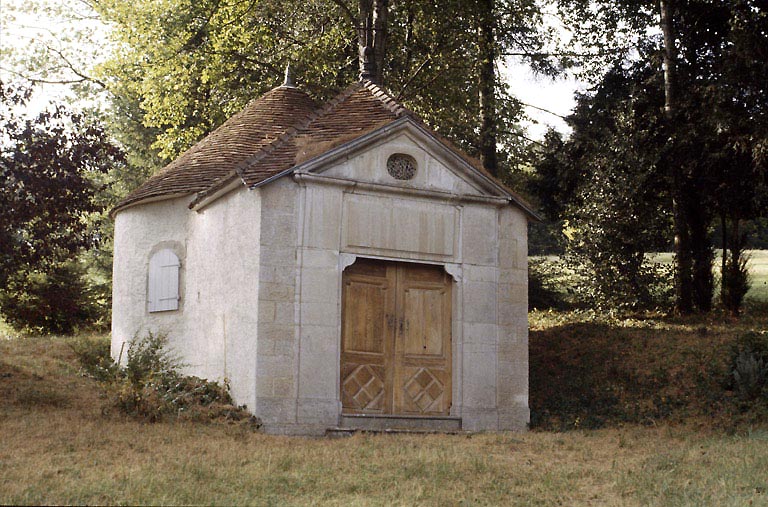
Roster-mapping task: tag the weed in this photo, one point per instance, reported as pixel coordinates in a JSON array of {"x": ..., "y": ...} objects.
[
  {"x": 150, "y": 386},
  {"x": 749, "y": 366},
  {"x": 93, "y": 355}
]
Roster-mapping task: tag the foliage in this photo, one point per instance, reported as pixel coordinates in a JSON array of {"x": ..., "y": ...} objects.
[
  {"x": 607, "y": 189},
  {"x": 221, "y": 54},
  {"x": 546, "y": 238},
  {"x": 735, "y": 280},
  {"x": 93, "y": 354},
  {"x": 49, "y": 165},
  {"x": 749, "y": 367},
  {"x": 150, "y": 386},
  {"x": 708, "y": 160},
  {"x": 544, "y": 287},
  {"x": 54, "y": 302}
]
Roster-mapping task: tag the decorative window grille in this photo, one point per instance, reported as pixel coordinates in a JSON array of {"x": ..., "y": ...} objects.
[
  {"x": 164, "y": 281},
  {"x": 401, "y": 166}
]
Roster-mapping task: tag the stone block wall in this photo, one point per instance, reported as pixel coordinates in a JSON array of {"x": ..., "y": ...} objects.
[
  {"x": 512, "y": 297},
  {"x": 277, "y": 352}
]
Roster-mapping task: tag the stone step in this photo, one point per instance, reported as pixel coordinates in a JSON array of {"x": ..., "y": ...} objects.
[
  {"x": 340, "y": 432},
  {"x": 400, "y": 422}
]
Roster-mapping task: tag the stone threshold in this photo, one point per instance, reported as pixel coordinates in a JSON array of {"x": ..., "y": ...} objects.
[
  {"x": 339, "y": 432},
  {"x": 386, "y": 422}
]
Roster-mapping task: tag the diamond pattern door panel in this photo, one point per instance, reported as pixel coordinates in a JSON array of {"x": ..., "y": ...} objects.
[
  {"x": 367, "y": 338},
  {"x": 423, "y": 347},
  {"x": 396, "y": 339},
  {"x": 363, "y": 388}
]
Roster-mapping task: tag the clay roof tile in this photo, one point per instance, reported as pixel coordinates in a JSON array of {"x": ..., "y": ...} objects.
[{"x": 275, "y": 133}]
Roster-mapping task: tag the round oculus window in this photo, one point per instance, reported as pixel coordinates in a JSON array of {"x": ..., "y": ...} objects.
[{"x": 401, "y": 166}]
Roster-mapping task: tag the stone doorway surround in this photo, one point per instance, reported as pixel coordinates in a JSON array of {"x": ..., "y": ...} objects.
[{"x": 396, "y": 328}]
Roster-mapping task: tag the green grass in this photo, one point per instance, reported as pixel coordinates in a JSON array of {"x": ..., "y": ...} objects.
[
  {"x": 758, "y": 270},
  {"x": 59, "y": 447}
]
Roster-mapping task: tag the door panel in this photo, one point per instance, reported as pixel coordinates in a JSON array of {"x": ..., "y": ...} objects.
[
  {"x": 367, "y": 301},
  {"x": 423, "y": 351},
  {"x": 396, "y": 339},
  {"x": 367, "y": 338},
  {"x": 423, "y": 313}
]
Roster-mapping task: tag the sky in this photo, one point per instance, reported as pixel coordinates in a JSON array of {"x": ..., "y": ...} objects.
[{"x": 555, "y": 95}]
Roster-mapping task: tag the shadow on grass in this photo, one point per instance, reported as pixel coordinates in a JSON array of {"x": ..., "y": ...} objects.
[
  {"x": 604, "y": 374},
  {"x": 21, "y": 388}
]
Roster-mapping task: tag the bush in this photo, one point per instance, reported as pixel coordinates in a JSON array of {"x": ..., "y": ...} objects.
[
  {"x": 735, "y": 282},
  {"x": 543, "y": 292},
  {"x": 150, "y": 386},
  {"x": 749, "y": 366},
  {"x": 54, "y": 302},
  {"x": 93, "y": 355}
]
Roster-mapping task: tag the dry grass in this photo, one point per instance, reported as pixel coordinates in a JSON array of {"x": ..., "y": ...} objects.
[
  {"x": 58, "y": 448},
  {"x": 592, "y": 371}
]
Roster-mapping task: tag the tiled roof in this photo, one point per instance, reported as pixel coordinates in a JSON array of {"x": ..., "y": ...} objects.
[
  {"x": 243, "y": 136},
  {"x": 275, "y": 133},
  {"x": 358, "y": 110}
]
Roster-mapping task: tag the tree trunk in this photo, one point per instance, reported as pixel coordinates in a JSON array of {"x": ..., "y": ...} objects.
[
  {"x": 372, "y": 37},
  {"x": 701, "y": 253},
  {"x": 724, "y": 246},
  {"x": 380, "y": 15},
  {"x": 683, "y": 261},
  {"x": 487, "y": 85}
]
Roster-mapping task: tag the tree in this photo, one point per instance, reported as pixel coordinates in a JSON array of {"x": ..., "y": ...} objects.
[
  {"x": 47, "y": 164},
  {"x": 607, "y": 187},
  {"x": 179, "y": 72},
  {"x": 700, "y": 46}
]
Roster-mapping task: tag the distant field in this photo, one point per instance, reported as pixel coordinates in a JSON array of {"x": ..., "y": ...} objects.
[{"x": 758, "y": 269}]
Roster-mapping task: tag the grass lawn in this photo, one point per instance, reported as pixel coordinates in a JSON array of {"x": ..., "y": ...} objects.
[
  {"x": 649, "y": 416},
  {"x": 58, "y": 447},
  {"x": 758, "y": 270}
]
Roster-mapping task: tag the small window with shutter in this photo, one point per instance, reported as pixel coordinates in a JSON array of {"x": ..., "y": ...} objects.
[{"x": 164, "y": 281}]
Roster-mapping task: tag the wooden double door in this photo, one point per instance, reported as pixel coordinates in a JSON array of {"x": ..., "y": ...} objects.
[{"x": 396, "y": 339}]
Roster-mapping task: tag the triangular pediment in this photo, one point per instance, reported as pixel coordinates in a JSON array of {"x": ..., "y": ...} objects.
[{"x": 438, "y": 168}]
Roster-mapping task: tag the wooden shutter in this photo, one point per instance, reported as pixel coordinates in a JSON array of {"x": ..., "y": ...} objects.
[{"x": 164, "y": 281}]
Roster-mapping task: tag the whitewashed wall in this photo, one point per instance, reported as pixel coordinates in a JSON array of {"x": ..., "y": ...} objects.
[{"x": 214, "y": 329}]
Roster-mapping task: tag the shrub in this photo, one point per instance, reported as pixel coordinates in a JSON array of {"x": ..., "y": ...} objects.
[
  {"x": 150, "y": 385},
  {"x": 543, "y": 292},
  {"x": 55, "y": 302},
  {"x": 148, "y": 359},
  {"x": 735, "y": 281},
  {"x": 749, "y": 366},
  {"x": 95, "y": 360}
]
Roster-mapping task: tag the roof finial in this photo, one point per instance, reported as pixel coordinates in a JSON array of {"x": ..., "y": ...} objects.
[{"x": 288, "y": 77}]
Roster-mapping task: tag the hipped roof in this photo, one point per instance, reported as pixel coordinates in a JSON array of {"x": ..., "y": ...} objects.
[{"x": 276, "y": 132}]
